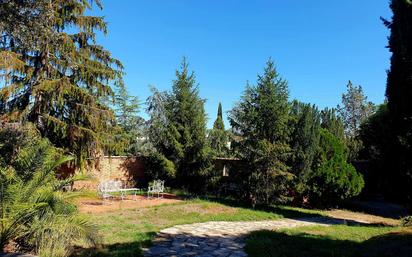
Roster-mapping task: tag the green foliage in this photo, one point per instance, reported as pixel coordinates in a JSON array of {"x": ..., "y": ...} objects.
[
  {"x": 354, "y": 111},
  {"x": 332, "y": 123},
  {"x": 218, "y": 137},
  {"x": 332, "y": 179},
  {"x": 305, "y": 121},
  {"x": 260, "y": 119},
  {"x": 178, "y": 129},
  {"x": 399, "y": 94},
  {"x": 159, "y": 167},
  {"x": 56, "y": 75},
  {"x": 35, "y": 214},
  {"x": 18, "y": 143},
  {"x": 375, "y": 134},
  {"x": 130, "y": 139}
]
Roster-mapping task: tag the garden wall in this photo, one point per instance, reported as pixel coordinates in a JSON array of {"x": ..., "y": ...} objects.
[{"x": 130, "y": 170}]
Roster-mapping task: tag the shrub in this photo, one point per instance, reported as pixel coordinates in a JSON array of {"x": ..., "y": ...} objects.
[
  {"x": 332, "y": 179},
  {"x": 36, "y": 216},
  {"x": 159, "y": 167}
]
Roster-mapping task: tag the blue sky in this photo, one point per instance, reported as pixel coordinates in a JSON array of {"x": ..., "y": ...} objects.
[{"x": 317, "y": 45}]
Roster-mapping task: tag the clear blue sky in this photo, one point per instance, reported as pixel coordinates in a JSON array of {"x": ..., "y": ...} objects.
[{"x": 317, "y": 45}]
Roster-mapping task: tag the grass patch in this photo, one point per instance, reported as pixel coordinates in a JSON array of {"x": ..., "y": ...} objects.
[
  {"x": 124, "y": 232},
  {"x": 336, "y": 241}
]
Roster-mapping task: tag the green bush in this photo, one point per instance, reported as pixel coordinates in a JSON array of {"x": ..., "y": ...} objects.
[
  {"x": 332, "y": 179},
  {"x": 159, "y": 167},
  {"x": 35, "y": 214}
]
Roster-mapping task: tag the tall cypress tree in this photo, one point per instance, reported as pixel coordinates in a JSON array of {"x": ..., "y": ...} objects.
[
  {"x": 304, "y": 141},
  {"x": 261, "y": 121},
  {"x": 55, "y": 74},
  {"x": 218, "y": 136},
  {"x": 399, "y": 94}
]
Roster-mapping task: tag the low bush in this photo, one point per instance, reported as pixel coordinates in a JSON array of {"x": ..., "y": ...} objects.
[
  {"x": 159, "y": 167},
  {"x": 332, "y": 179}
]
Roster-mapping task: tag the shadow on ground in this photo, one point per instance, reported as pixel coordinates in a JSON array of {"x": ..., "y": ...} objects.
[
  {"x": 129, "y": 249},
  {"x": 297, "y": 214},
  {"x": 184, "y": 244},
  {"x": 282, "y": 244},
  {"x": 378, "y": 207}
]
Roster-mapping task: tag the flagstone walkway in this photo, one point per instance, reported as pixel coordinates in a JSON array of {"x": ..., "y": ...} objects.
[{"x": 217, "y": 238}]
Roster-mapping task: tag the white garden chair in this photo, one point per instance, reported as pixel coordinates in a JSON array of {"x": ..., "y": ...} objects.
[{"x": 156, "y": 187}]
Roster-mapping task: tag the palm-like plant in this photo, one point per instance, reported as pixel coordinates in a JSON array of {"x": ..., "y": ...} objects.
[{"x": 35, "y": 215}]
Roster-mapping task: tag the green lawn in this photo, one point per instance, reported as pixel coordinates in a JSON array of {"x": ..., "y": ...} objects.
[
  {"x": 333, "y": 241},
  {"x": 125, "y": 232}
]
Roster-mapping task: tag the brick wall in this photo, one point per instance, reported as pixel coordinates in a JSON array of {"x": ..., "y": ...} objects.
[{"x": 130, "y": 170}]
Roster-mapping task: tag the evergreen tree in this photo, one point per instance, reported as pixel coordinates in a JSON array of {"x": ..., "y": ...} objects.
[
  {"x": 332, "y": 179},
  {"x": 354, "y": 110},
  {"x": 218, "y": 137},
  {"x": 261, "y": 120},
  {"x": 332, "y": 123},
  {"x": 55, "y": 75},
  {"x": 399, "y": 95},
  {"x": 304, "y": 141},
  {"x": 374, "y": 135},
  {"x": 179, "y": 120},
  {"x": 132, "y": 125}
]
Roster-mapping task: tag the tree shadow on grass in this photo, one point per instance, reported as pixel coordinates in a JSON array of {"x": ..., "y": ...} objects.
[
  {"x": 297, "y": 214},
  {"x": 281, "y": 244},
  {"x": 129, "y": 249}
]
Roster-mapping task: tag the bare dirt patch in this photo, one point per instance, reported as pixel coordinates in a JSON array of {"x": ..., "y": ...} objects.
[{"x": 91, "y": 206}]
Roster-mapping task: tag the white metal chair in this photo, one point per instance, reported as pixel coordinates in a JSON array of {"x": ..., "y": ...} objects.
[{"x": 156, "y": 187}]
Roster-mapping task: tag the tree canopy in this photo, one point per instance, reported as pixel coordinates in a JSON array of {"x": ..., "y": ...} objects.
[
  {"x": 399, "y": 95},
  {"x": 178, "y": 129},
  {"x": 261, "y": 120},
  {"x": 54, "y": 73},
  {"x": 217, "y": 136}
]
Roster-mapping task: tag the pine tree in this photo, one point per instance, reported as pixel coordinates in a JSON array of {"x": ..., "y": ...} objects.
[
  {"x": 55, "y": 74},
  {"x": 399, "y": 95},
  {"x": 261, "y": 120},
  {"x": 218, "y": 137},
  {"x": 180, "y": 119},
  {"x": 355, "y": 109}
]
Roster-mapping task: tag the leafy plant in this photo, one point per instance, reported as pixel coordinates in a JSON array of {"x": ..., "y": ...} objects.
[
  {"x": 35, "y": 215},
  {"x": 159, "y": 167},
  {"x": 332, "y": 179}
]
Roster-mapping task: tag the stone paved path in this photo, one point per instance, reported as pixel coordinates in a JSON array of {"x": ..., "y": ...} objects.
[{"x": 217, "y": 238}]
